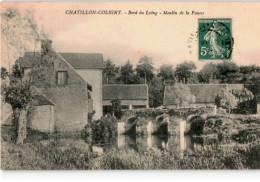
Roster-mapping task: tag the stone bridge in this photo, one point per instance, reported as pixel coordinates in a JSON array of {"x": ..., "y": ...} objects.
[{"x": 161, "y": 121}]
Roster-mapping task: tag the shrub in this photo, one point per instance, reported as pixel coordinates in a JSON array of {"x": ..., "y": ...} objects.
[
  {"x": 197, "y": 126},
  {"x": 248, "y": 135},
  {"x": 101, "y": 130}
]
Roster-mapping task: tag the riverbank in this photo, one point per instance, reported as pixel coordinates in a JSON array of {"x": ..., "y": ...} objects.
[{"x": 41, "y": 152}]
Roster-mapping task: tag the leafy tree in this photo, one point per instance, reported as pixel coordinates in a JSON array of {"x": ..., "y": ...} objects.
[
  {"x": 184, "y": 71},
  {"x": 226, "y": 100},
  {"x": 19, "y": 32},
  {"x": 18, "y": 94},
  {"x": 110, "y": 70},
  {"x": 249, "y": 69},
  {"x": 156, "y": 92},
  {"x": 246, "y": 102},
  {"x": 126, "y": 73},
  {"x": 243, "y": 94},
  {"x": 193, "y": 79},
  {"x": 228, "y": 72},
  {"x": 208, "y": 73},
  {"x": 251, "y": 78},
  {"x": 166, "y": 72},
  {"x": 145, "y": 68},
  {"x": 16, "y": 72},
  {"x": 180, "y": 95},
  {"x": 4, "y": 73}
]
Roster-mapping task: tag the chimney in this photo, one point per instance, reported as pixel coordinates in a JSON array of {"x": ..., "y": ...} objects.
[{"x": 46, "y": 46}]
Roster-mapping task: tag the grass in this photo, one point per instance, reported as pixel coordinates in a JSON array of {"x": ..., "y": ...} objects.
[
  {"x": 42, "y": 152},
  {"x": 236, "y": 157}
]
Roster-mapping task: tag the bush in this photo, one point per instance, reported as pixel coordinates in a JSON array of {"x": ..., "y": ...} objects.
[
  {"x": 247, "y": 135},
  {"x": 197, "y": 126},
  {"x": 246, "y": 107},
  {"x": 101, "y": 130}
]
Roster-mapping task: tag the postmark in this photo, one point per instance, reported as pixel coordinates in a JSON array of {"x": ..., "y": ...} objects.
[{"x": 215, "y": 39}]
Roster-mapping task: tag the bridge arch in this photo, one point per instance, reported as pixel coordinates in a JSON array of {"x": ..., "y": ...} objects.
[
  {"x": 162, "y": 118},
  {"x": 192, "y": 116}
]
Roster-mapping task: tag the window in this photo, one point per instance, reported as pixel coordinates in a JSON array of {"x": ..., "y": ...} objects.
[{"x": 61, "y": 78}]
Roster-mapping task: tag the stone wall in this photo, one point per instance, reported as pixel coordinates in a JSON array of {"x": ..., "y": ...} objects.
[
  {"x": 71, "y": 107},
  {"x": 90, "y": 105},
  {"x": 71, "y": 100},
  {"x": 41, "y": 118}
]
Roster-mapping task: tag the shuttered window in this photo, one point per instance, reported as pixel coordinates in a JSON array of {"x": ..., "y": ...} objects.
[{"x": 61, "y": 78}]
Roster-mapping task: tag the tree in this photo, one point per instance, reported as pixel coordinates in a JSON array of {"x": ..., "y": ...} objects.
[
  {"x": 145, "y": 68},
  {"x": 19, "y": 33},
  {"x": 249, "y": 69},
  {"x": 4, "y": 73},
  {"x": 126, "y": 72},
  {"x": 166, "y": 72},
  {"x": 18, "y": 94},
  {"x": 110, "y": 70},
  {"x": 193, "y": 79},
  {"x": 226, "y": 100},
  {"x": 246, "y": 102},
  {"x": 228, "y": 72},
  {"x": 184, "y": 71},
  {"x": 156, "y": 89},
  {"x": 180, "y": 95},
  {"x": 208, "y": 73}
]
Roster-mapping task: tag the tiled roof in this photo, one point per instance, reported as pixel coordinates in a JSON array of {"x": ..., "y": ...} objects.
[
  {"x": 204, "y": 93},
  {"x": 76, "y": 60},
  {"x": 84, "y": 60},
  {"x": 29, "y": 59},
  {"x": 125, "y": 92}
]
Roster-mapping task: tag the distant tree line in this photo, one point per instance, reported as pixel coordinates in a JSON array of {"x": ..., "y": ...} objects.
[{"x": 185, "y": 73}]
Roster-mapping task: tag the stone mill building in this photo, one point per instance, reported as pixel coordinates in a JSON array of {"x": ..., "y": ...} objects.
[{"x": 68, "y": 90}]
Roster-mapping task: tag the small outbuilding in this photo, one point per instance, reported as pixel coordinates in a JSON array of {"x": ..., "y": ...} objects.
[
  {"x": 205, "y": 94},
  {"x": 131, "y": 96},
  {"x": 41, "y": 115}
]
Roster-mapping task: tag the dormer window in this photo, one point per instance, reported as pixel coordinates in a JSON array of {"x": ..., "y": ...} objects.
[{"x": 62, "y": 78}]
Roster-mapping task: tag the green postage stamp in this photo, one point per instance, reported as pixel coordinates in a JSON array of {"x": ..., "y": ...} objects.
[{"x": 215, "y": 39}]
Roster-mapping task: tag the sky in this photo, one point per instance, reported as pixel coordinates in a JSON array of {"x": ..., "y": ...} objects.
[{"x": 162, "y": 37}]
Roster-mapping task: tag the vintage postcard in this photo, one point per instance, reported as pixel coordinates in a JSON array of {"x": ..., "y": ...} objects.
[{"x": 130, "y": 85}]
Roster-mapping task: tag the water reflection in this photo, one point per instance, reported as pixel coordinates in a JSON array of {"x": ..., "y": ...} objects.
[{"x": 143, "y": 143}]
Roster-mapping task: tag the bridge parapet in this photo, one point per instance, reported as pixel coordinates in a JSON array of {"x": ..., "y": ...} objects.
[{"x": 140, "y": 118}]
